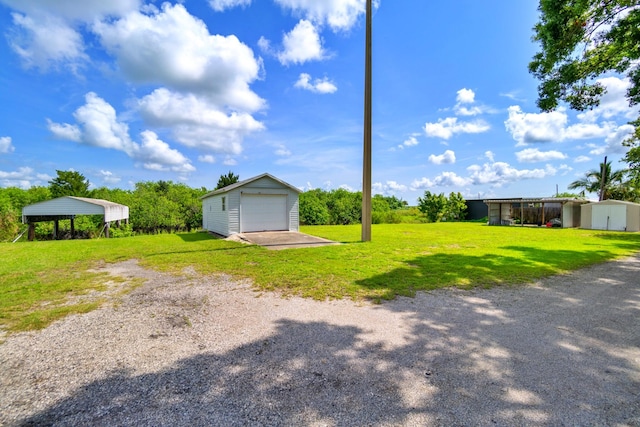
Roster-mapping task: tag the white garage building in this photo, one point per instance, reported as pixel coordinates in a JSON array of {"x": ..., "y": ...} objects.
[
  {"x": 614, "y": 215},
  {"x": 261, "y": 203}
]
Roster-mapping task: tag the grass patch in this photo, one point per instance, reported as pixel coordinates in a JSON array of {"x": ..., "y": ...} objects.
[{"x": 38, "y": 279}]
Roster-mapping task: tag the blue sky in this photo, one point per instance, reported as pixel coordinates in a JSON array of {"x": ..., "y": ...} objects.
[{"x": 130, "y": 90}]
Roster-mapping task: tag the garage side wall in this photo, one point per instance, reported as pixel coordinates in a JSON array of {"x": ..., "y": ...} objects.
[
  {"x": 213, "y": 217},
  {"x": 633, "y": 218}
]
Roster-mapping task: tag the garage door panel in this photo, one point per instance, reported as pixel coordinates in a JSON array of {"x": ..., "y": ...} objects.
[
  {"x": 263, "y": 212},
  {"x": 607, "y": 217}
]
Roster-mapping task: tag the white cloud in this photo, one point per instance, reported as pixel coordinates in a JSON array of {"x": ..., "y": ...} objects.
[
  {"x": 302, "y": 44},
  {"x": 174, "y": 49},
  {"x": 99, "y": 127},
  {"x": 389, "y": 188},
  {"x": 322, "y": 86},
  {"x": 46, "y": 41},
  {"x": 410, "y": 142},
  {"x": 528, "y": 128},
  {"x": 465, "y": 96},
  {"x": 109, "y": 178},
  {"x": 5, "y": 145},
  {"x": 207, "y": 158},
  {"x": 196, "y": 122},
  {"x": 222, "y": 5},
  {"x": 446, "y": 128},
  {"x": 489, "y": 155},
  {"x": 582, "y": 159},
  {"x": 46, "y": 33},
  {"x": 22, "y": 178},
  {"x": 340, "y": 15},
  {"x": 282, "y": 151},
  {"x": 532, "y": 155},
  {"x": 500, "y": 173},
  {"x": 447, "y": 157},
  {"x": 445, "y": 179},
  {"x": 613, "y": 103},
  {"x": 229, "y": 161},
  {"x": 613, "y": 141}
]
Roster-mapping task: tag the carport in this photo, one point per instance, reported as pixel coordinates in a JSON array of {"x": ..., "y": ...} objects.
[{"x": 68, "y": 207}]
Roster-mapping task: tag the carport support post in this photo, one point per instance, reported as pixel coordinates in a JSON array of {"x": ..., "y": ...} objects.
[
  {"x": 32, "y": 231},
  {"x": 73, "y": 228},
  {"x": 106, "y": 229},
  {"x": 55, "y": 229}
]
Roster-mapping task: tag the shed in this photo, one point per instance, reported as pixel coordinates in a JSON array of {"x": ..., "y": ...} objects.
[
  {"x": 506, "y": 211},
  {"x": 614, "y": 215},
  {"x": 68, "y": 207},
  {"x": 261, "y": 203}
]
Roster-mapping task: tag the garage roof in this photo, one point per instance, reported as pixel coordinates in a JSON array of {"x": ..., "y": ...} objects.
[{"x": 248, "y": 181}]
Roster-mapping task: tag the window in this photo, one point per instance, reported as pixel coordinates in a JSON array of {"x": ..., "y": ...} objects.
[{"x": 224, "y": 204}]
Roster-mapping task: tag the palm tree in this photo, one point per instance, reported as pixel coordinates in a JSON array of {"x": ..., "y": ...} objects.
[{"x": 592, "y": 181}]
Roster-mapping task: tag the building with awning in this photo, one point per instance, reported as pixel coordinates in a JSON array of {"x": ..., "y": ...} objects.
[
  {"x": 542, "y": 210},
  {"x": 68, "y": 207}
]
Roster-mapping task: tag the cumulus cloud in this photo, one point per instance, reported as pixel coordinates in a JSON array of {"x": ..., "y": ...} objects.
[
  {"x": 500, "y": 173},
  {"x": 614, "y": 141},
  {"x": 46, "y": 41},
  {"x": 495, "y": 174},
  {"x": 301, "y": 45},
  {"x": 489, "y": 155},
  {"x": 5, "y": 145},
  {"x": 45, "y": 34},
  {"x": 446, "y": 128},
  {"x": 388, "y": 188},
  {"x": 206, "y": 158},
  {"x": 282, "y": 151},
  {"x": 340, "y": 15},
  {"x": 532, "y": 155},
  {"x": 23, "y": 178},
  {"x": 109, "y": 178},
  {"x": 196, "y": 122},
  {"x": 445, "y": 179},
  {"x": 528, "y": 128},
  {"x": 613, "y": 103},
  {"x": 174, "y": 49},
  {"x": 582, "y": 159},
  {"x": 98, "y": 126},
  {"x": 322, "y": 86},
  {"x": 222, "y": 5},
  {"x": 229, "y": 161},
  {"x": 447, "y": 157}
]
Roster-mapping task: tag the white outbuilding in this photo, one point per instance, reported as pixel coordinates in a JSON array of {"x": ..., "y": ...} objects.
[
  {"x": 613, "y": 215},
  {"x": 261, "y": 203},
  {"x": 68, "y": 207}
]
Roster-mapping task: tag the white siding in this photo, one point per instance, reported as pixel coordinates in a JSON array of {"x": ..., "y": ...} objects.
[
  {"x": 609, "y": 217},
  {"x": 261, "y": 186},
  {"x": 213, "y": 217}
]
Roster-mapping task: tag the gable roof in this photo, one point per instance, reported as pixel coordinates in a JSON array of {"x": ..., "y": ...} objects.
[{"x": 249, "y": 181}]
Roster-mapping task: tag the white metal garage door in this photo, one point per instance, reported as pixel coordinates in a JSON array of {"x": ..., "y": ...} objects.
[
  {"x": 607, "y": 217},
  {"x": 263, "y": 212}
]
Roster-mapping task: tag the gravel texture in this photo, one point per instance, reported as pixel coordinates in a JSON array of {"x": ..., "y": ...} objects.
[{"x": 209, "y": 351}]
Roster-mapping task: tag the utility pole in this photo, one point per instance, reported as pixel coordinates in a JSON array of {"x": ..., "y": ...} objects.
[{"x": 366, "y": 163}]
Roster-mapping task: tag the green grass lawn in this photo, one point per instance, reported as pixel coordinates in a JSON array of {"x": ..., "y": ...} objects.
[{"x": 38, "y": 278}]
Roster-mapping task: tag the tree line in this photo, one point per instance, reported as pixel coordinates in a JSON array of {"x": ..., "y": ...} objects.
[{"x": 166, "y": 207}]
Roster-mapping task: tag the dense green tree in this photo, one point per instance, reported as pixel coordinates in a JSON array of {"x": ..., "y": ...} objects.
[
  {"x": 592, "y": 181},
  {"x": 456, "y": 207},
  {"x": 313, "y": 208},
  {"x": 69, "y": 183},
  {"x": 581, "y": 40},
  {"x": 227, "y": 179},
  {"x": 433, "y": 206}
]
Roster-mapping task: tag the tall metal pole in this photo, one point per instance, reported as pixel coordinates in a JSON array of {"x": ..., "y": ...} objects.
[{"x": 366, "y": 163}]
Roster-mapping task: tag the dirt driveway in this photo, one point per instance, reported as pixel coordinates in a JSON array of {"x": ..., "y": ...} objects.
[{"x": 202, "y": 351}]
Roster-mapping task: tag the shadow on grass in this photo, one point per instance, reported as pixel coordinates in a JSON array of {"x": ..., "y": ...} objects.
[
  {"x": 197, "y": 237},
  {"x": 428, "y": 272}
]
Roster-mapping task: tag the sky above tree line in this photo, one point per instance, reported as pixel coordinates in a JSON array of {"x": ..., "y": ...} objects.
[{"x": 127, "y": 91}]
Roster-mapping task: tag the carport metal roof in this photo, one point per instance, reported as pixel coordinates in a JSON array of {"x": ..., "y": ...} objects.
[{"x": 68, "y": 207}]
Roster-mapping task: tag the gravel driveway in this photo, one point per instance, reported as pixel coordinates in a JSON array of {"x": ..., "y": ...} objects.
[{"x": 209, "y": 351}]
